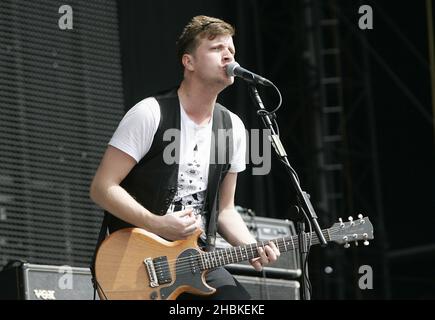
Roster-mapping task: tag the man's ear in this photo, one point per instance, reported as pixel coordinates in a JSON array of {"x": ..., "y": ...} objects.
[{"x": 187, "y": 61}]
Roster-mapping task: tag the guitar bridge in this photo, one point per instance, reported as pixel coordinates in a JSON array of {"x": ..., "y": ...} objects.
[{"x": 151, "y": 272}]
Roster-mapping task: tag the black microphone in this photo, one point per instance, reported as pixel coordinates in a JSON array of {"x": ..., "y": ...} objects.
[{"x": 235, "y": 70}]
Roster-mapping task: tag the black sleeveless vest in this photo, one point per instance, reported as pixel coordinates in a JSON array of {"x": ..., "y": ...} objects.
[{"x": 153, "y": 183}]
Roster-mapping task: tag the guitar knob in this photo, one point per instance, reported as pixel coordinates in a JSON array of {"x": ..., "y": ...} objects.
[
  {"x": 347, "y": 245},
  {"x": 351, "y": 221},
  {"x": 366, "y": 243}
]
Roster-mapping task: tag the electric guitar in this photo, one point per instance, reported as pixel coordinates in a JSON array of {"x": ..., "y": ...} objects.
[{"x": 133, "y": 263}]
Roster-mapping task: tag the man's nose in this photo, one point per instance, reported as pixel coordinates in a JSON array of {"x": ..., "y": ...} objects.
[{"x": 228, "y": 56}]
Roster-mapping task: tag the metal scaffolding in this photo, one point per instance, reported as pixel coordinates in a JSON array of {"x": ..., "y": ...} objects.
[{"x": 340, "y": 141}]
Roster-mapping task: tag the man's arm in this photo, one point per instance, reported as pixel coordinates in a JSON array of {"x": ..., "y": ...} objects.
[
  {"x": 232, "y": 227},
  {"x": 107, "y": 193},
  {"x": 230, "y": 224}
]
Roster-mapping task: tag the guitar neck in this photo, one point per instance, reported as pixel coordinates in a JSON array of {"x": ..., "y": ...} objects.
[{"x": 218, "y": 258}]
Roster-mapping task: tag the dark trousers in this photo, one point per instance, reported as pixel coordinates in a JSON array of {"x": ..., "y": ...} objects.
[{"x": 227, "y": 287}]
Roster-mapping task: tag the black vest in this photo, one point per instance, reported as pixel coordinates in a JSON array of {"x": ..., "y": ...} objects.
[{"x": 153, "y": 183}]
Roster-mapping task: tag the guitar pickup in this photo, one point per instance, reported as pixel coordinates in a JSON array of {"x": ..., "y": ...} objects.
[{"x": 162, "y": 270}]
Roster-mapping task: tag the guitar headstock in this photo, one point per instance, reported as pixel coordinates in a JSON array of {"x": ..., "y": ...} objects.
[{"x": 352, "y": 231}]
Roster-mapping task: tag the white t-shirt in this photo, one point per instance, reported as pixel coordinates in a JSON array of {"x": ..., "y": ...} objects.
[{"x": 135, "y": 135}]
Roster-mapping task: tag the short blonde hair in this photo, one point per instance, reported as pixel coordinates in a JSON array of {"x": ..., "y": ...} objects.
[{"x": 198, "y": 28}]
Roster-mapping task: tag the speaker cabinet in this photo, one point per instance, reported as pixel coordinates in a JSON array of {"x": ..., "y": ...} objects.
[
  {"x": 26, "y": 281},
  {"x": 270, "y": 289}
]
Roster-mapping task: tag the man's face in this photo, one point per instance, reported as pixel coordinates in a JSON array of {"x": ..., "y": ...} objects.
[{"x": 210, "y": 59}]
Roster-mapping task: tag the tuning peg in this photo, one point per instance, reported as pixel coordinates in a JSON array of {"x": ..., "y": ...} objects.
[
  {"x": 361, "y": 220},
  {"x": 351, "y": 221},
  {"x": 346, "y": 245},
  {"x": 360, "y": 216},
  {"x": 341, "y": 222},
  {"x": 355, "y": 236},
  {"x": 365, "y": 236}
]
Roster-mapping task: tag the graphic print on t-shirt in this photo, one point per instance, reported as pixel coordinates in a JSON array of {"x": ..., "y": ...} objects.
[{"x": 192, "y": 185}]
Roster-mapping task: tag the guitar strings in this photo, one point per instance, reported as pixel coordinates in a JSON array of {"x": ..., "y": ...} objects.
[
  {"x": 280, "y": 246},
  {"x": 183, "y": 270},
  {"x": 184, "y": 264}
]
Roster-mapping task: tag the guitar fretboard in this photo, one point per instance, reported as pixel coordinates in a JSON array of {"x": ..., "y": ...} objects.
[{"x": 221, "y": 257}]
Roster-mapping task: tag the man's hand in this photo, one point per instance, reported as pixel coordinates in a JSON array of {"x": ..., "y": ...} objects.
[
  {"x": 269, "y": 254},
  {"x": 176, "y": 225}
]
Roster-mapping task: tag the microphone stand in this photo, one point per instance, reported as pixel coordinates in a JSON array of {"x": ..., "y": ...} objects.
[{"x": 302, "y": 197}]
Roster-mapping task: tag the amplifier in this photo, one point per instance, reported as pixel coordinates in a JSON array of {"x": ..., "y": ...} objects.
[
  {"x": 270, "y": 289},
  {"x": 25, "y": 281},
  {"x": 265, "y": 229}
]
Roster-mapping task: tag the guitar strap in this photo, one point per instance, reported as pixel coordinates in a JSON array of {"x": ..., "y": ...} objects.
[
  {"x": 217, "y": 170},
  {"x": 101, "y": 236}
]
